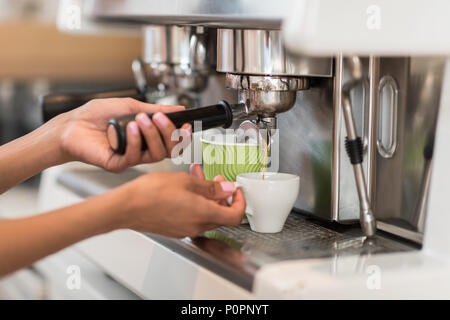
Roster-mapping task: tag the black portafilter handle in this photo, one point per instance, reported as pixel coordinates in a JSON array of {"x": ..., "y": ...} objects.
[{"x": 218, "y": 115}]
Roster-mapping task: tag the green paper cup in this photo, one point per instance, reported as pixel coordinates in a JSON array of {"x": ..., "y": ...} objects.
[{"x": 222, "y": 155}]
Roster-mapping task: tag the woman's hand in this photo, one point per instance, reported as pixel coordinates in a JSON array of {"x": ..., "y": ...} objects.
[
  {"x": 178, "y": 204},
  {"x": 83, "y": 133},
  {"x": 196, "y": 171}
]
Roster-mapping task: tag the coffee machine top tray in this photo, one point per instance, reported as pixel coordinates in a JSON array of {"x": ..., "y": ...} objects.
[
  {"x": 234, "y": 13},
  {"x": 237, "y": 253}
]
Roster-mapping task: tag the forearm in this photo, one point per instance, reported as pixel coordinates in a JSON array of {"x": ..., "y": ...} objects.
[
  {"x": 28, "y": 155},
  {"x": 24, "y": 241}
]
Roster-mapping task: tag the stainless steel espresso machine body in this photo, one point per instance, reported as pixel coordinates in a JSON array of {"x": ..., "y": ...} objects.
[
  {"x": 312, "y": 130},
  {"x": 174, "y": 68},
  {"x": 302, "y": 97},
  {"x": 395, "y": 106}
]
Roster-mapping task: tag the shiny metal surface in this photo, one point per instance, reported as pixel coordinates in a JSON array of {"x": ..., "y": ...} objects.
[
  {"x": 346, "y": 207},
  {"x": 261, "y": 52},
  {"x": 396, "y": 185},
  {"x": 366, "y": 217},
  {"x": 231, "y": 13},
  {"x": 237, "y": 253},
  {"x": 266, "y": 95},
  {"x": 156, "y": 44},
  {"x": 267, "y": 103},
  {"x": 306, "y": 147},
  {"x": 387, "y": 116},
  {"x": 312, "y": 145},
  {"x": 401, "y": 180},
  {"x": 260, "y": 130},
  {"x": 422, "y": 204},
  {"x": 175, "y": 45},
  {"x": 266, "y": 83},
  {"x": 301, "y": 238},
  {"x": 239, "y": 110},
  {"x": 140, "y": 78},
  {"x": 370, "y": 130},
  {"x": 175, "y": 59},
  {"x": 256, "y": 65}
]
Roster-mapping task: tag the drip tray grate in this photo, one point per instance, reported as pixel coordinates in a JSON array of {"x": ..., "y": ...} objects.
[{"x": 302, "y": 238}]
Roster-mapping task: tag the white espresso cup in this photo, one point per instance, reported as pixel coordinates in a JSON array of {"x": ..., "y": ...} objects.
[{"x": 269, "y": 201}]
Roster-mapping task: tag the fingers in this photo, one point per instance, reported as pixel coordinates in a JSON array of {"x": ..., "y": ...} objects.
[
  {"x": 220, "y": 178},
  {"x": 187, "y": 127},
  {"x": 238, "y": 202},
  {"x": 211, "y": 189},
  {"x": 155, "y": 138},
  {"x": 185, "y": 139},
  {"x": 186, "y": 132},
  {"x": 156, "y": 148},
  {"x": 135, "y": 106},
  {"x": 196, "y": 170},
  {"x": 132, "y": 154},
  {"x": 232, "y": 215},
  {"x": 166, "y": 127},
  {"x": 116, "y": 107}
]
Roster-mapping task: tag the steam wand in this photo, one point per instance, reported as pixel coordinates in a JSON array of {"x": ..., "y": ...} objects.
[{"x": 354, "y": 147}]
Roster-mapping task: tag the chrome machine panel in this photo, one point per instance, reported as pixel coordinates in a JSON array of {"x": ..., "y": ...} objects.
[{"x": 231, "y": 13}]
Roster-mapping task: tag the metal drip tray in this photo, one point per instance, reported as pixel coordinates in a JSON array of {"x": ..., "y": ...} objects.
[{"x": 301, "y": 238}]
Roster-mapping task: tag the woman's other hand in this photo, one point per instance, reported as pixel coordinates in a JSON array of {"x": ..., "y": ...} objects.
[
  {"x": 179, "y": 204},
  {"x": 196, "y": 171}
]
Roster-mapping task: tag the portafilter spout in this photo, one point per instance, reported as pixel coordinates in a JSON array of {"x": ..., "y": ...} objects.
[{"x": 261, "y": 130}]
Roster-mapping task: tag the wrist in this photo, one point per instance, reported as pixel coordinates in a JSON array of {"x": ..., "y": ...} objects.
[
  {"x": 97, "y": 215},
  {"x": 120, "y": 207},
  {"x": 52, "y": 135}
]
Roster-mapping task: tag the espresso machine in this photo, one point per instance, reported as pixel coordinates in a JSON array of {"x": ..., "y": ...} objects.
[
  {"x": 358, "y": 128},
  {"x": 174, "y": 67}
]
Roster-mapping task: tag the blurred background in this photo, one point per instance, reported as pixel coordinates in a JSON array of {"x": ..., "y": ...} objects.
[{"x": 36, "y": 58}]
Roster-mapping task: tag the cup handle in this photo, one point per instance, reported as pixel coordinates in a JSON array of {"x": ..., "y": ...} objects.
[
  {"x": 248, "y": 210},
  {"x": 230, "y": 198}
]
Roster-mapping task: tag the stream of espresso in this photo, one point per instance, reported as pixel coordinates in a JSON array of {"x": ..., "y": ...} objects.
[{"x": 266, "y": 151}]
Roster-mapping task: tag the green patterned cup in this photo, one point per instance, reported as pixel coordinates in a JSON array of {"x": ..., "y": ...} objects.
[{"x": 222, "y": 155}]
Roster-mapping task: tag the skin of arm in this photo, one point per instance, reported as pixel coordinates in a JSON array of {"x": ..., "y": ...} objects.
[
  {"x": 171, "y": 204},
  {"x": 79, "y": 135},
  {"x": 29, "y": 155},
  {"x": 26, "y": 240}
]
